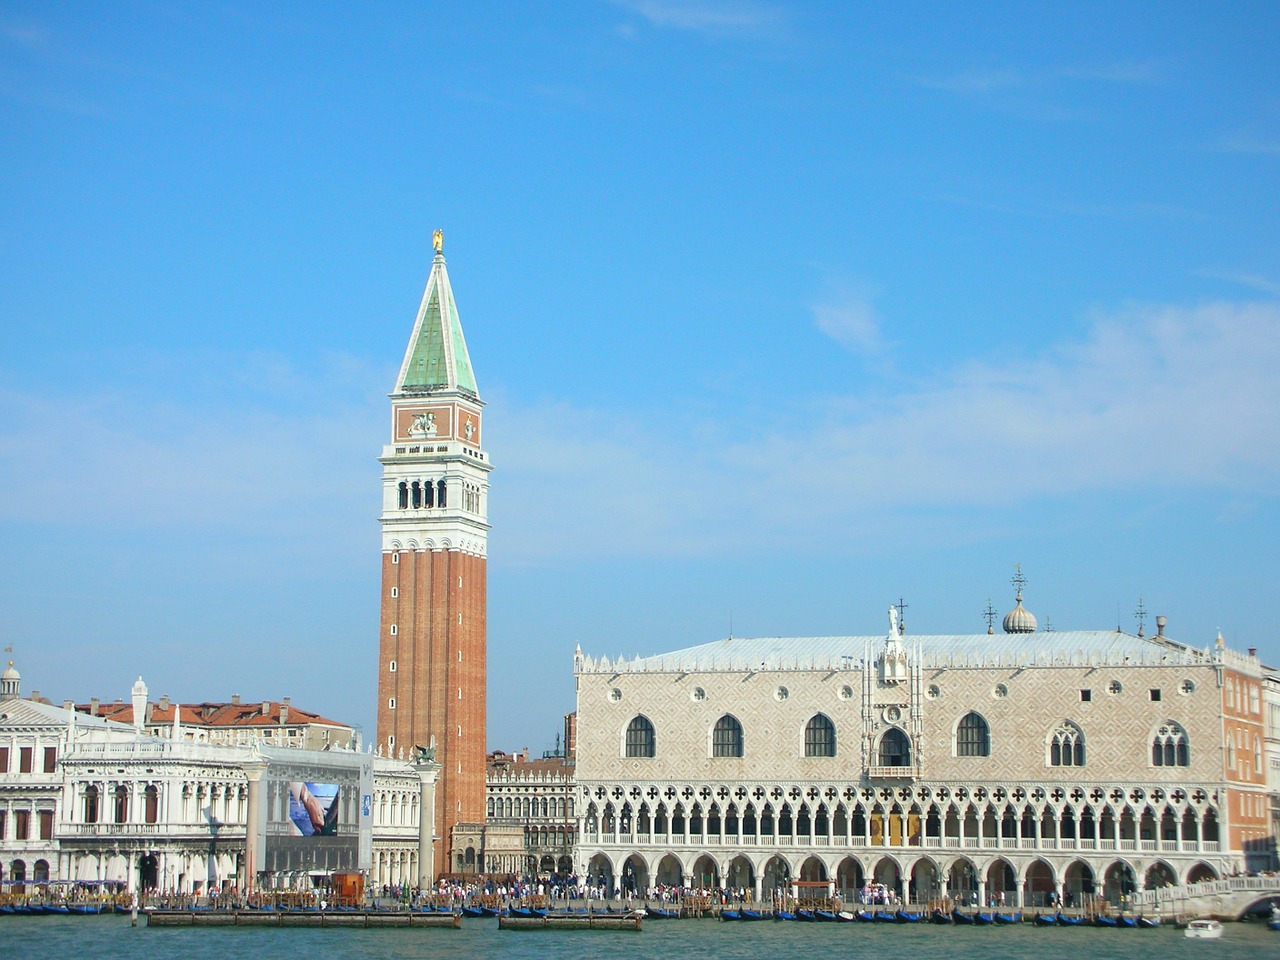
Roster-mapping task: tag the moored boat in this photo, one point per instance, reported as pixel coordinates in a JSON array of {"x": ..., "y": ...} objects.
[
  {"x": 937, "y": 916},
  {"x": 660, "y": 913},
  {"x": 1046, "y": 920},
  {"x": 1203, "y": 929},
  {"x": 1148, "y": 923}
]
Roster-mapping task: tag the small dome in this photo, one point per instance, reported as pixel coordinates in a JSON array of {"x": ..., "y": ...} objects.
[
  {"x": 10, "y": 673},
  {"x": 1019, "y": 619}
]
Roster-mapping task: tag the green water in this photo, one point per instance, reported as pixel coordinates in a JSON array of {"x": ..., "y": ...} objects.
[{"x": 111, "y": 938}]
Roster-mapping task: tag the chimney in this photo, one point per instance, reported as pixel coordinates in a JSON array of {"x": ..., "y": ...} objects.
[
  {"x": 151, "y": 712},
  {"x": 235, "y": 699},
  {"x": 1253, "y": 652},
  {"x": 1160, "y": 622},
  {"x": 284, "y": 712},
  {"x": 35, "y": 695},
  {"x": 68, "y": 704},
  {"x": 93, "y": 706},
  {"x": 266, "y": 708},
  {"x": 164, "y": 702},
  {"x": 287, "y": 701}
]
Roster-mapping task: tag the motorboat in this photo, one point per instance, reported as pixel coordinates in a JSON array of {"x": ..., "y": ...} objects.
[{"x": 1204, "y": 929}]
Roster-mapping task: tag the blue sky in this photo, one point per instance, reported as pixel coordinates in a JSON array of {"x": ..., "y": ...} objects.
[{"x": 781, "y": 312}]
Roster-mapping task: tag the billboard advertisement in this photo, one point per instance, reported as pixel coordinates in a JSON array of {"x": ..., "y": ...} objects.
[{"x": 315, "y": 814}]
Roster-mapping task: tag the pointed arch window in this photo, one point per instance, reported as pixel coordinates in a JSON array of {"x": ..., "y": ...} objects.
[
  {"x": 820, "y": 736},
  {"x": 1066, "y": 746},
  {"x": 1170, "y": 747},
  {"x": 640, "y": 738},
  {"x": 973, "y": 736},
  {"x": 895, "y": 749},
  {"x": 726, "y": 737}
]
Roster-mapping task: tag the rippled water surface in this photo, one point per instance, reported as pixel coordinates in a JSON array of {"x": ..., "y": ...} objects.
[{"x": 90, "y": 938}]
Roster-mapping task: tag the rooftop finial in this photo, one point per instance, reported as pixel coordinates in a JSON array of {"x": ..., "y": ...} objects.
[
  {"x": 989, "y": 615},
  {"x": 1140, "y": 614},
  {"x": 1018, "y": 580},
  {"x": 437, "y": 241}
]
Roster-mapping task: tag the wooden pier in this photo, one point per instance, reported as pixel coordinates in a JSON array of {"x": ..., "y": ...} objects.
[
  {"x": 572, "y": 921},
  {"x": 301, "y": 918}
]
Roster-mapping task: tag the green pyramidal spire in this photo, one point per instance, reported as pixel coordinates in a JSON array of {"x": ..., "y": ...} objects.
[{"x": 437, "y": 357}]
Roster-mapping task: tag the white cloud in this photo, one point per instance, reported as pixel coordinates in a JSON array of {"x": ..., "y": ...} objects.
[
  {"x": 1249, "y": 143},
  {"x": 852, "y": 321},
  {"x": 1154, "y": 399},
  {"x": 972, "y": 82},
  {"x": 712, "y": 17}
]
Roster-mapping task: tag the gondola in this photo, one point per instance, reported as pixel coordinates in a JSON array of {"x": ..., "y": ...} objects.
[
  {"x": 1128, "y": 922},
  {"x": 864, "y": 916},
  {"x": 1046, "y": 920},
  {"x": 805, "y": 915},
  {"x": 1147, "y": 923},
  {"x": 1105, "y": 922},
  {"x": 1004, "y": 919},
  {"x": 982, "y": 919},
  {"x": 901, "y": 916},
  {"x": 881, "y": 917},
  {"x": 658, "y": 913},
  {"x": 965, "y": 919},
  {"x": 1066, "y": 921},
  {"x": 753, "y": 915},
  {"x": 846, "y": 916},
  {"x": 474, "y": 912},
  {"x": 938, "y": 916},
  {"x": 526, "y": 913},
  {"x": 729, "y": 915},
  {"x": 825, "y": 916}
]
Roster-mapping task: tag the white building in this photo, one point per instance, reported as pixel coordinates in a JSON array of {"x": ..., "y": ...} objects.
[
  {"x": 1024, "y": 765},
  {"x": 85, "y": 798}
]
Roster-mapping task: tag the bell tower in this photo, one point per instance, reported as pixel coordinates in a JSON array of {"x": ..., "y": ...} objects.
[{"x": 435, "y": 497}]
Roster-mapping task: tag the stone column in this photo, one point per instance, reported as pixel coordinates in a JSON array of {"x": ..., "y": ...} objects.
[
  {"x": 254, "y": 827},
  {"x": 428, "y": 773}
]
